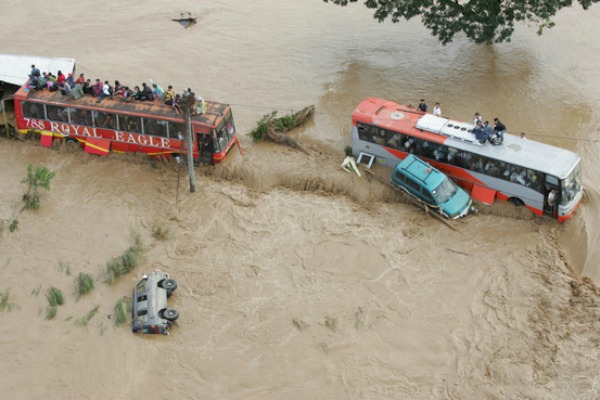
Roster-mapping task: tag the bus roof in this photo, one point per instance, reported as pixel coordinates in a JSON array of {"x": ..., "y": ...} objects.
[
  {"x": 457, "y": 134},
  {"x": 15, "y": 68},
  {"x": 214, "y": 110}
]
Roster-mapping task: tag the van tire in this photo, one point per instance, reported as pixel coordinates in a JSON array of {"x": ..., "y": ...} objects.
[
  {"x": 169, "y": 284},
  {"x": 170, "y": 314}
]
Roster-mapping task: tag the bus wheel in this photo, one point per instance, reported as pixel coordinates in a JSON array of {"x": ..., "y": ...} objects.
[{"x": 516, "y": 201}]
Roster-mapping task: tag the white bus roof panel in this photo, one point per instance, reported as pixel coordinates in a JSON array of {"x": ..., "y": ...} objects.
[{"x": 15, "y": 68}]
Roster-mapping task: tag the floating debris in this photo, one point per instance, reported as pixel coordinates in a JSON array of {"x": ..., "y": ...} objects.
[{"x": 185, "y": 21}]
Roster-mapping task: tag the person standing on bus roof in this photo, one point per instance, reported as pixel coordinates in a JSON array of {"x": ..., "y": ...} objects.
[
  {"x": 500, "y": 129},
  {"x": 437, "y": 110},
  {"x": 422, "y": 106}
]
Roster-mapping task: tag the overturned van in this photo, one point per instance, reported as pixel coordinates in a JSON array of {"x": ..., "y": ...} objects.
[{"x": 427, "y": 184}]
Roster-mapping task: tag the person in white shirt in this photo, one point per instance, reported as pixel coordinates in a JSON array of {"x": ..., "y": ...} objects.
[{"x": 437, "y": 110}]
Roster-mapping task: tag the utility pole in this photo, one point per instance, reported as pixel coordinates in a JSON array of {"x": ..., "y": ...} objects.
[{"x": 188, "y": 99}]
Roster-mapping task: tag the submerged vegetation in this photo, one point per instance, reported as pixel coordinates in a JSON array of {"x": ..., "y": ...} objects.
[
  {"x": 84, "y": 283},
  {"x": 6, "y": 303},
  {"x": 55, "y": 299},
  {"x": 269, "y": 121},
  {"x": 85, "y": 320},
  {"x": 126, "y": 262},
  {"x": 37, "y": 177},
  {"x": 122, "y": 310},
  {"x": 160, "y": 231}
]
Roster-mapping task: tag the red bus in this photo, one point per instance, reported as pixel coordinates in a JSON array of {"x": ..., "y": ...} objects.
[
  {"x": 146, "y": 127},
  {"x": 544, "y": 178}
]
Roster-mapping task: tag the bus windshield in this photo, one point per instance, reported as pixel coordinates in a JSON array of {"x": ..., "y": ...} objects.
[
  {"x": 444, "y": 191},
  {"x": 571, "y": 186}
]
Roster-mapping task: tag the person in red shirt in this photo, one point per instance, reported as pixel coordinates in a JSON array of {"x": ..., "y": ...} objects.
[
  {"x": 80, "y": 79},
  {"x": 60, "y": 78}
]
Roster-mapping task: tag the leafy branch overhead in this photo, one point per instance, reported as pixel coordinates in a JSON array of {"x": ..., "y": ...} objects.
[{"x": 482, "y": 21}]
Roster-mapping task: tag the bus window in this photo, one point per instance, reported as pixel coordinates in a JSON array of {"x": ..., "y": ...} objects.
[
  {"x": 131, "y": 124},
  {"x": 105, "y": 120},
  {"x": 175, "y": 130},
  {"x": 82, "y": 117},
  {"x": 570, "y": 186},
  {"x": 58, "y": 114},
  {"x": 155, "y": 127},
  {"x": 33, "y": 110}
]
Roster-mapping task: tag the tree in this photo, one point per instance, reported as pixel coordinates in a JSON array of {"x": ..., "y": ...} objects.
[{"x": 482, "y": 21}]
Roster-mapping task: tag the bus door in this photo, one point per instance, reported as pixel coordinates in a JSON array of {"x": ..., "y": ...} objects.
[
  {"x": 551, "y": 195},
  {"x": 206, "y": 147}
]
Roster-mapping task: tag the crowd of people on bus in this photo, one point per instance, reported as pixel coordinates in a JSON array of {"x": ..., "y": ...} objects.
[
  {"x": 77, "y": 88},
  {"x": 484, "y": 132}
]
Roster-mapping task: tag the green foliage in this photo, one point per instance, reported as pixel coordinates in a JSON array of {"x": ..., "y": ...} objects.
[
  {"x": 126, "y": 262},
  {"x": 55, "y": 297},
  {"x": 6, "y": 303},
  {"x": 262, "y": 126},
  {"x": 482, "y": 21},
  {"x": 38, "y": 177},
  {"x": 36, "y": 291},
  {"x": 281, "y": 124},
  {"x": 64, "y": 267},
  {"x": 160, "y": 231},
  {"x": 13, "y": 226},
  {"x": 348, "y": 151},
  {"x": 51, "y": 312},
  {"x": 84, "y": 283},
  {"x": 85, "y": 320},
  {"x": 122, "y": 310}
]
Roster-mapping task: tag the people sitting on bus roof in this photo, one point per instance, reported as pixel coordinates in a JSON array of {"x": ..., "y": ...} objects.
[
  {"x": 60, "y": 78},
  {"x": 70, "y": 80},
  {"x": 500, "y": 129},
  {"x": 157, "y": 91},
  {"x": 66, "y": 88},
  {"x": 176, "y": 101},
  {"x": 488, "y": 131},
  {"x": 97, "y": 88},
  {"x": 145, "y": 94},
  {"x": 199, "y": 105},
  {"x": 87, "y": 87},
  {"x": 118, "y": 89},
  {"x": 479, "y": 133},
  {"x": 106, "y": 92},
  {"x": 80, "y": 79},
  {"x": 423, "y": 106},
  {"x": 77, "y": 91}
]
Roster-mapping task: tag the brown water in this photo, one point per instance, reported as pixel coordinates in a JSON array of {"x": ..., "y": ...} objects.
[{"x": 296, "y": 279}]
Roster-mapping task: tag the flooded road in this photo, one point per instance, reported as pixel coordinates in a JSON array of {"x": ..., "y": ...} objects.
[{"x": 296, "y": 279}]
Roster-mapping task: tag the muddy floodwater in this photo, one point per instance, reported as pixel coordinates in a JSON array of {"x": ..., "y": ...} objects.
[{"x": 296, "y": 279}]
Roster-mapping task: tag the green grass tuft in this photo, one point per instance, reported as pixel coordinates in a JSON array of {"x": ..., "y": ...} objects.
[
  {"x": 160, "y": 231},
  {"x": 123, "y": 264},
  {"x": 6, "y": 303},
  {"x": 122, "y": 310},
  {"x": 51, "y": 312},
  {"x": 85, "y": 320},
  {"x": 64, "y": 267},
  {"x": 55, "y": 297},
  {"x": 38, "y": 177},
  {"x": 13, "y": 226},
  {"x": 84, "y": 283}
]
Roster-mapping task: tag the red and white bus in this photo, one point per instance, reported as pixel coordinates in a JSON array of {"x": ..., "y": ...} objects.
[
  {"x": 520, "y": 170},
  {"x": 142, "y": 127}
]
